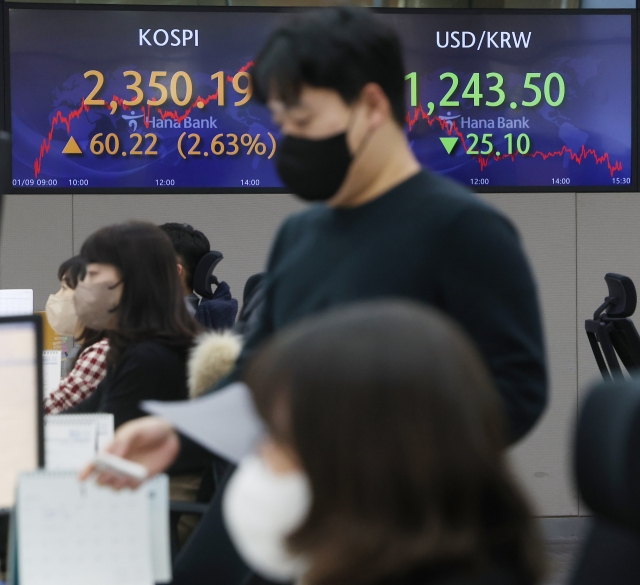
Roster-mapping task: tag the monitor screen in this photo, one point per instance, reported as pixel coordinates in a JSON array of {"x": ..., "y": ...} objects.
[
  {"x": 134, "y": 100},
  {"x": 20, "y": 400}
]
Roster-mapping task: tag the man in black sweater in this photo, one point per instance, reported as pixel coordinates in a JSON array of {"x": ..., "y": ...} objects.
[
  {"x": 381, "y": 227},
  {"x": 430, "y": 240}
]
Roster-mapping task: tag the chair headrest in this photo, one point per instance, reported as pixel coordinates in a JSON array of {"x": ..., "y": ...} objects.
[
  {"x": 607, "y": 452},
  {"x": 622, "y": 293},
  {"x": 203, "y": 279},
  {"x": 253, "y": 282}
]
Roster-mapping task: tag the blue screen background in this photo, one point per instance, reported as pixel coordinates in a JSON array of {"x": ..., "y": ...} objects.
[{"x": 586, "y": 141}]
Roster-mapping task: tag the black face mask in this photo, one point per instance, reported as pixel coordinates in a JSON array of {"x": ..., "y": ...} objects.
[{"x": 314, "y": 169}]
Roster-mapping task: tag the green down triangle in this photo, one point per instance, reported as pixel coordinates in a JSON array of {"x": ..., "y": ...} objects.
[{"x": 449, "y": 143}]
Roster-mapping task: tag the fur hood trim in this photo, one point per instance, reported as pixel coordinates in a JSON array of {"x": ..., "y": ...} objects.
[{"x": 212, "y": 358}]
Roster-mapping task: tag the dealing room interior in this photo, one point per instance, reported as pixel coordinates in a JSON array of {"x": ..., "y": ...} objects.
[{"x": 325, "y": 293}]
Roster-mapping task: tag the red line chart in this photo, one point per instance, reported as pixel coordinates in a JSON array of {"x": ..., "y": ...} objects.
[
  {"x": 60, "y": 119},
  {"x": 451, "y": 128}
]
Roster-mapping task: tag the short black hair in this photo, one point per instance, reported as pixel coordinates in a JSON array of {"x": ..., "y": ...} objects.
[
  {"x": 71, "y": 271},
  {"x": 340, "y": 48},
  {"x": 189, "y": 243}
]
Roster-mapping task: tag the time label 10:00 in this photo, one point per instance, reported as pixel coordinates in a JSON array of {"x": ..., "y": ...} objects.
[
  {"x": 180, "y": 88},
  {"x": 553, "y": 90}
]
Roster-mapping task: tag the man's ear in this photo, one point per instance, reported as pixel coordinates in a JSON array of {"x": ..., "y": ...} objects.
[
  {"x": 377, "y": 102},
  {"x": 180, "y": 269}
]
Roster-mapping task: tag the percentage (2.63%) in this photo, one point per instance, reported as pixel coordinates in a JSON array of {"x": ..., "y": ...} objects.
[{"x": 225, "y": 144}]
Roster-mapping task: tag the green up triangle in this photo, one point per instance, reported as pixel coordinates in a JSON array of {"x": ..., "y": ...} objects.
[{"x": 449, "y": 143}]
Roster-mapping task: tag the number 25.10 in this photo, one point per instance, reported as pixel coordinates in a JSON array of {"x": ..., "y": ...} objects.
[{"x": 523, "y": 143}]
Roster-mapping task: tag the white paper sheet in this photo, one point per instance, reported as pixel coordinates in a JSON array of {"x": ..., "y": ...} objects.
[
  {"x": 51, "y": 370},
  {"x": 159, "y": 526},
  {"x": 16, "y": 301},
  {"x": 105, "y": 429},
  {"x": 72, "y": 440},
  {"x": 72, "y": 533},
  {"x": 225, "y": 422}
]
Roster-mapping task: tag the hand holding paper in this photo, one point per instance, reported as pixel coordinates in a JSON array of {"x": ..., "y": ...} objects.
[
  {"x": 223, "y": 422},
  {"x": 149, "y": 441}
]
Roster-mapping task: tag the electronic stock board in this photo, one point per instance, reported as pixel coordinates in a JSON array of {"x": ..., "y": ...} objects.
[{"x": 125, "y": 99}]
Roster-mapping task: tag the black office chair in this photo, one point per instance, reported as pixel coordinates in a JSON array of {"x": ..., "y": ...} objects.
[
  {"x": 252, "y": 299},
  {"x": 607, "y": 469},
  {"x": 204, "y": 279},
  {"x": 611, "y": 333},
  {"x": 217, "y": 309}
]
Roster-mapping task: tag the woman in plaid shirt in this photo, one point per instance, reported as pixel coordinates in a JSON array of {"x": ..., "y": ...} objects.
[{"x": 90, "y": 366}]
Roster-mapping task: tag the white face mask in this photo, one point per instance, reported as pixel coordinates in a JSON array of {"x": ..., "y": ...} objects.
[
  {"x": 61, "y": 313},
  {"x": 261, "y": 509}
]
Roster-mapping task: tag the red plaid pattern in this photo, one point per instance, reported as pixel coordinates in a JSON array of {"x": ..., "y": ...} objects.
[{"x": 89, "y": 370}]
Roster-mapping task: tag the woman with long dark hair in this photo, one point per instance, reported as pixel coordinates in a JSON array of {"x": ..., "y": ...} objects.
[
  {"x": 132, "y": 291},
  {"x": 385, "y": 458}
]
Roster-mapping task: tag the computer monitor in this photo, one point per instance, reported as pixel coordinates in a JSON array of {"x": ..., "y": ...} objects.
[{"x": 21, "y": 409}]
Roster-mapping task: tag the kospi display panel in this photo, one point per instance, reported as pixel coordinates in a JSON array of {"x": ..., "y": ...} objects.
[{"x": 137, "y": 100}]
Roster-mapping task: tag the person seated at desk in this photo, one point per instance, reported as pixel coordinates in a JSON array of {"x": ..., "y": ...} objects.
[
  {"x": 191, "y": 245},
  {"x": 89, "y": 365},
  {"x": 132, "y": 290},
  {"x": 384, "y": 459}
]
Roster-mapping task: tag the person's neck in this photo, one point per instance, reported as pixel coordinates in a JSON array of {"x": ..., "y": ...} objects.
[{"x": 390, "y": 163}]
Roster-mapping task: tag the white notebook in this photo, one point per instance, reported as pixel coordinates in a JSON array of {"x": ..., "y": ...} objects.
[
  {"x": 51, "y": 370},
  {"x": 73, "y": 440},
  {"x": 73, "y": 533}
]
